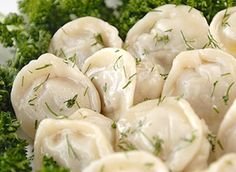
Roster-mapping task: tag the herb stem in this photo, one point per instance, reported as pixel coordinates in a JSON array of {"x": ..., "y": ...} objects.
[{"x": 43, "y": 67}]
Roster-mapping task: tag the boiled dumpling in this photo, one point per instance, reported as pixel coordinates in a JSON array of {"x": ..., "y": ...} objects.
[
  {"x": 106, "y": 125},
  {"x": 82, "y": 37},
  {"x": 168, "y": 128},
  {"x": 50, "y": 88},
  {"x": 135, "y": 161},
  {"x": 206, "y": 78},
  {"x": 72, "y": 143},
  {"x": 227, "y": 132},
  {"x": 223, "y": 30},
  {"x": 226, "y": 163},
  {"x": 113, "y": 73},
  {"x": 166, "y": 31},
  {"x": 149, "y": 83}
]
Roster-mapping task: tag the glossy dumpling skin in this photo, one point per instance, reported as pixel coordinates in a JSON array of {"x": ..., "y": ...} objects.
[
  {"x": 113, "y": 72},
  {"x": 223, "y": 30},
  {"x": 164, "y": 32},
  {"x": 135, "y": 161},
  {"x": 226, "y": 163},
  {"x": 227, "y": 132},
  {"x": 104, "y": 123},
  {"x": 149, "y": 83},
  {"x": 154, "y": 126},
  {"x": 76, "y": 142},
  {"x": 50, "y": 88},
  {"x": 83, "y": 37},
  {"x": 206, "y": 78}
]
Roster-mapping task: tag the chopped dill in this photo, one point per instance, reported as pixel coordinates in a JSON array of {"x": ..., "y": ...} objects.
[
  {"x": 115, "y": 66},
  {"x": 98, "y": 40},
  {"x": 43, "y": 67},
  {"x": 86, "y": 91},
  {"x": 41, "y": 84},
  {"x": 87, "y": 69},
  {"x": 225, "y": 18},
  {"x": 71, "y": 102},
  {"x": 71, "y": 150},
  {"x": 127, "y": 84},
  {"x": 187, "y": 42},
  {"x": 226, "y": 96},
  {"x": 214, "y": 87},
  {"x": 163, "y": 38},
  {"x": 215, "y": 108},
  {"x": 105, "y": 88},
  {"x": 54, "y": 113}
]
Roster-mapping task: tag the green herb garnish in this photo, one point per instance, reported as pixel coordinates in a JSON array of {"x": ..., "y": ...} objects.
[
  {"x": 43, "y": 67},
  {"x": 71, "y": 102},
  {"x": 226, "y": 96},
  {"x": 99, "y": 40}
]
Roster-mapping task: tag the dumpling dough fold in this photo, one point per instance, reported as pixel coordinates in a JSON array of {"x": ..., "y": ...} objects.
[
  {"x": 226, "y": 163},
  {"x": 168, "y": 128},
  {"x": 223, "y": 30},
  {"x": 135, "y": 161},
  {"x": 206, "y": 78},
  {"x": 166, "y": 31},
  {"x": 82, "y": 37},
  {"x": 113, "y": 73},
  {"x": 75, "y": 142},
  {"x": 50, "y": 87},
  {"x": 227, "y": 132}
]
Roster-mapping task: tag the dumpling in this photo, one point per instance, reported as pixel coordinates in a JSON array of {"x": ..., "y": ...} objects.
[
  {"x": 226, "y": 163},
  {"x": 166, "y": 31},
  {"x": 73, "y": 143},
  {"x": 82, "y": 37},
  {"x": 135, "y": 161},
  {"x": 168, "y": 128},
  {"x": 227, "y": 132},
  {"x": 223, "y": 30},
  {"x": 149, "y": 83},
  {"x": 113, "y": 73},
  {"x": 107, "y": 125},
  {"x": 50, "y": 88},
  {"x": 206, "y": 78}
]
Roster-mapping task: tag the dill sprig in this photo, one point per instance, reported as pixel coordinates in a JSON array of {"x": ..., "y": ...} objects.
[
  {"x": 164, "y": 75},
  {"x": 86, "y": 91},
  {"x": 226, "y": 96},
  {"x": 161, "y": 38},
  {"x": 129, "y": 80},
  {"x": 211, "y": 42},
  {"x": 30, "y": 102},
  {"x": 41, "y": 84},
  {"x": 98, "y": 40},
  {"x": 115, "y": 66},
  {"x": 71, "y": 102},
  {"x": 44, "y": 66},
  {"x": 212, "y": 138},
  {"x": 126, "y": 145},
  {"x": 215, "y": 108},
  {"x": 225, "y": 18},
  {"x": 156, "y": 142},
  {"x": 187, "y": 42},
  {"x": 71, "y": 150},
  {"x": 214, "y": 87},
  {"x": 54, "y": 113},
  {"x": 105, "y": 88}
]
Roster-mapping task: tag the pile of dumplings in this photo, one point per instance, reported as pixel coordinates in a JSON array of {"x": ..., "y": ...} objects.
[{"x": 161, "y": 101}]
